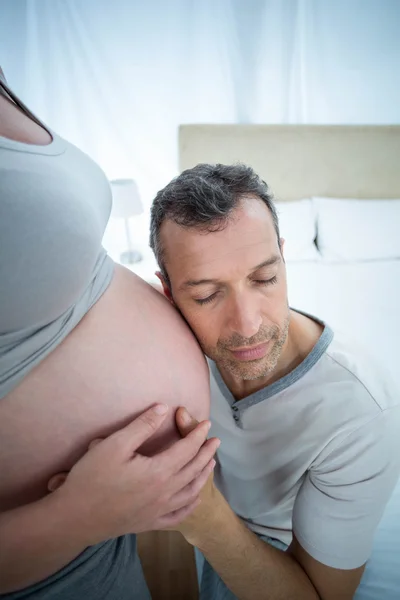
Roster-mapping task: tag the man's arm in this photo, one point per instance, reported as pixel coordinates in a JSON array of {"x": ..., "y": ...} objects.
[
  {"x": 254, "y": 570},
  {"x": 330, "y": 583}
]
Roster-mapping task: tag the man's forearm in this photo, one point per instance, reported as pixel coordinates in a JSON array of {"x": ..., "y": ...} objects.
[
  {"x": 37, "y": 540},
  {"x": 252, "y": 569}
]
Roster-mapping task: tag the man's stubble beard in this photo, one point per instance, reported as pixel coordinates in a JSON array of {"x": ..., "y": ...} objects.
[{"x": 250, "y": 370}]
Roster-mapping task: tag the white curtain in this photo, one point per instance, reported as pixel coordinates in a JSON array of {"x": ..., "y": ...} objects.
[{"x": 117, "y": 78}]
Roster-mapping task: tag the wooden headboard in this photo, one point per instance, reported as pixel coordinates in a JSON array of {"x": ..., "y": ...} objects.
[{"x": 299, "y": 161}]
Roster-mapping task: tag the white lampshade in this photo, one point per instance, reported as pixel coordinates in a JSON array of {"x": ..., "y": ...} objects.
[{"x": 126, "y": 199}]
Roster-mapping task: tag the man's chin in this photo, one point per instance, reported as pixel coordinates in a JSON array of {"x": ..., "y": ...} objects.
[{"x": 247, "y": 370}]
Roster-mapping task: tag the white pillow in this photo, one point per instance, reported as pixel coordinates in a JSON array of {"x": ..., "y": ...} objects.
[
  {"x": 297, "y": 223},
  {"x": 357, "y": 230}
]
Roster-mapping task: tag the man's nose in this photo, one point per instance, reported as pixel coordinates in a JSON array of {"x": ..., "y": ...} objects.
[{"x": 244, "y": 317}]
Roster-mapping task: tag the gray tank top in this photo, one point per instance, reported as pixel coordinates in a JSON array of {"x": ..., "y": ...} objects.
[{"x": 54, "y": 206}]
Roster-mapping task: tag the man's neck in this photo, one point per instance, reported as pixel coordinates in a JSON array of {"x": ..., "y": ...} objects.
[{"x": 303, "y": 334}]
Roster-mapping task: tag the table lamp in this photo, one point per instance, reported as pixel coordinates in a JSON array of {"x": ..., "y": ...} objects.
[{"x": 126, "y": 204}]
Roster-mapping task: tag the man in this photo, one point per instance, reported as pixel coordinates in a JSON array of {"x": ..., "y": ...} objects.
[
  {"x": 310, "y": 449},
  {"x": 309, "y": 428}
]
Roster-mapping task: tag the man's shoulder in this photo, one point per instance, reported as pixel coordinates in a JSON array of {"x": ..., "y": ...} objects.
[{"x": 349, "y": 367}]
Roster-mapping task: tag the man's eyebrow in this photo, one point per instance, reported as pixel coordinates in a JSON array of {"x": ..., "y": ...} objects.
[
  {"x": 196, "y": 282},
  {"x": 267, "y": 263}
]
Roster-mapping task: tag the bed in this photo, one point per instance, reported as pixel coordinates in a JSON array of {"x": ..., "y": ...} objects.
[{"x": 338, "y": 194}]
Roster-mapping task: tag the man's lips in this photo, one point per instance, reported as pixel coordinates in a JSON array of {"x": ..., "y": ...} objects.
[{"x": 250, "y": 352}]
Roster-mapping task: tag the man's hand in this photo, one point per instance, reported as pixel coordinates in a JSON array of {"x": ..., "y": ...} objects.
[
  {"x": 209, "y": 497},
  {"x": 113, "y": 490}
]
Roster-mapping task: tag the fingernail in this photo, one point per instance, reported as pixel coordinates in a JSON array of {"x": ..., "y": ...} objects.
[
  {"x": 160, "y": 409},
  {"x": 218, "y": 443},
  {"x": 213, "y": 463}
]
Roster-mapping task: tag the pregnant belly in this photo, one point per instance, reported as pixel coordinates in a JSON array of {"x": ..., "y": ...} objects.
[{"x": 132, "y": 349}]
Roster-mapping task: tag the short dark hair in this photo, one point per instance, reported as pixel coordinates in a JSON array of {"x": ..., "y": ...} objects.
[{"x": 204, "y": 198}]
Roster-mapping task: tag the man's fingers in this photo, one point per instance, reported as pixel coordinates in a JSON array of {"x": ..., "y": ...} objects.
[
  {"x": 142, "y": 428},
  {"x": 184, "y": 421},
  {"x": 183, "y": 451}
]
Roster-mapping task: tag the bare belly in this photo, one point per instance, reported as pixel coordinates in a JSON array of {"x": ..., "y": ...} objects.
[{"x": 131, "y": 350}]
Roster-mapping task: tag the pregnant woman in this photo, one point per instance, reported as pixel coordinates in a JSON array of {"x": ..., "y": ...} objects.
[{"x": 86, "y": 349}]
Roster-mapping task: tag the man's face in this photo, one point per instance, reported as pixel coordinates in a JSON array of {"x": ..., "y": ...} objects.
[{"x": 230, "y": 286}]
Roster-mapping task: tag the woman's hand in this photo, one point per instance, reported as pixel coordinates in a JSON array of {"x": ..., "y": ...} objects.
[{"x": 113, "y": 490}]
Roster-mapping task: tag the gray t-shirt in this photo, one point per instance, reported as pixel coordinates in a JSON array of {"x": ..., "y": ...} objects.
[{"x": 316, "y": 453}]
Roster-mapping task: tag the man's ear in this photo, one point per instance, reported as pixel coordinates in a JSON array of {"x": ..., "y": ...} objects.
[
  {"x": 165, "y": 286},
  {"x": 281, "y": 245}
]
